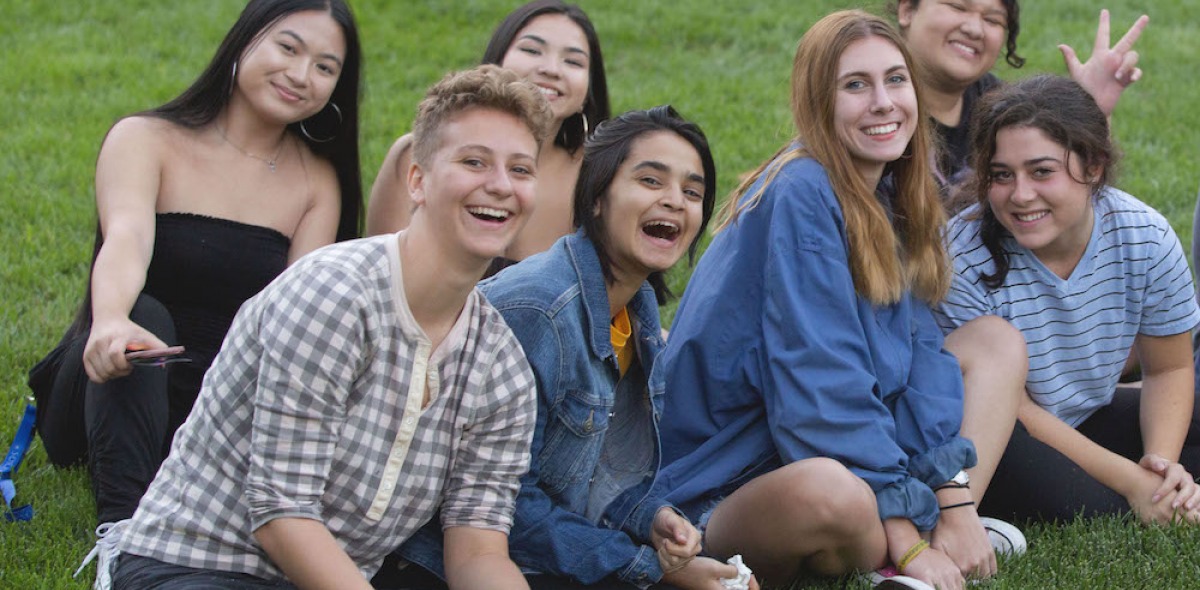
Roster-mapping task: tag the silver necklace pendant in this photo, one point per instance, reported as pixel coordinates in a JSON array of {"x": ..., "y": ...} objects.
[{"x": 271, "y": 165}]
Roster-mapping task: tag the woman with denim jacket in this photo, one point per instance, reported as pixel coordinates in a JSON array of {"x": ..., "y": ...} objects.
[
  {"x": 586, "y": 313},
  {"x": 813, "y": 412}
]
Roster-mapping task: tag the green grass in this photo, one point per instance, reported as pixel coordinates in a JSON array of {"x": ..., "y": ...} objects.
[{"x": 70, "y": 69}]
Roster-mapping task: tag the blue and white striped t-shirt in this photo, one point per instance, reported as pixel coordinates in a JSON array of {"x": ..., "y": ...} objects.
[{"x": 1133, "y": 279}]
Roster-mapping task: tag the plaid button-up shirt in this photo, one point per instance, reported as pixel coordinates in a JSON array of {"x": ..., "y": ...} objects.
[{"x": 313, "y": 409}]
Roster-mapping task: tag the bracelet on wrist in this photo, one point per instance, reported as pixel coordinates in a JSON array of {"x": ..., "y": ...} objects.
[
  {"x": 911, "y": 554},
  {"x": 959, "y": 505},
  {"x": 952, "y": 486}
]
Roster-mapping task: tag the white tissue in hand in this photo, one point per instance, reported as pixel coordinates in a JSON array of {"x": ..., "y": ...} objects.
[{"x": 742, "y": 580}]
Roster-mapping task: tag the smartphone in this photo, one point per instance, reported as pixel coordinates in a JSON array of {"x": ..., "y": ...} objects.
[{"x": 156, "y": 357}]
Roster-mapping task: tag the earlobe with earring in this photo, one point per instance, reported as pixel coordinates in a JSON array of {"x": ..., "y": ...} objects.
[
  {"x": 305, "y": 132},
  {"x": 583, "y": 115}
]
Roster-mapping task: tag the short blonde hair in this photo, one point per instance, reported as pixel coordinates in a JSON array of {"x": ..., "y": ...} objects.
[{"x": 488, "y": 87}]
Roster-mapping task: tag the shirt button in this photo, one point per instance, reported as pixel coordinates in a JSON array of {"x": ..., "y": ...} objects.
[
  {"x": 408, "y": 421},
  {"x": 388, "y": 486}
]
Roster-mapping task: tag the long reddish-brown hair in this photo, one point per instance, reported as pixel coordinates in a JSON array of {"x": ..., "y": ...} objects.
[{"x": 888, "y": 255}]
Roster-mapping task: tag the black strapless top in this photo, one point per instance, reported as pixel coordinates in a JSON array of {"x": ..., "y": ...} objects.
[{"x": 202, "y": 270}]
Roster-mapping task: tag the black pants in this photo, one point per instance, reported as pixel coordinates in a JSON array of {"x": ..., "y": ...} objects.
[
  {"x": 144, "y": 573},
  {"x": 1036, "y": 482},
  {"x": 122, "y": 427}
]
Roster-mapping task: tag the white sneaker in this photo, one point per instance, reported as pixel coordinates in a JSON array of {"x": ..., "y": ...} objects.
[
  {"x": 889, "y": 578},
  {"x": 107, "y": 536},
  {"x": 1006, "y": 539}
]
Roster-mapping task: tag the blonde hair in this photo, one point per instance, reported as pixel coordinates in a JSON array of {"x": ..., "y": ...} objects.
[
  {"x": 888, "y": 256},
  {"x": 485, "y": 86}
]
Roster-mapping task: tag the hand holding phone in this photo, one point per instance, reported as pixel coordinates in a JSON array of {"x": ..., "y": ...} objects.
[{"x": 156, "y": 357}]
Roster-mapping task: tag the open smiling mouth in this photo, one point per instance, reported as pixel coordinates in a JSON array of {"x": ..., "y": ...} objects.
[
  {"x": 663, "y": 230},
  {"x": 488, "y": 214}
]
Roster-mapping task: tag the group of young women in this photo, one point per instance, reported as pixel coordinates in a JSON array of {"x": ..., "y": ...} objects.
[{"x": 838, "y": 391}]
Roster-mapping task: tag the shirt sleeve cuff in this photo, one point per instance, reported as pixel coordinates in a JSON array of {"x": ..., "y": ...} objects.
[
  {"x": 909, "y": 499},
  {"x": 937, "y": 465},
  {"x": 641, "y": 521},
  {"x": 644, "y": 570}
]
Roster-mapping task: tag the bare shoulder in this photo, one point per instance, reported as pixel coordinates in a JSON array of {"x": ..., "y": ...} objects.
[
  {"x": 400, "y": 154},
  {"x": 141, "y": 130},
  {"x": 149, "y": 135},
  {"x": 322, "y": 176}
]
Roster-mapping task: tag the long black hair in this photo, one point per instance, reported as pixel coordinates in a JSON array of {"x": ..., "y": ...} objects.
[
  {"x": 1062, "y": 110},
  {"x": 603, "y": 155},
  {"x": 200, "y": 104},
  {"x": 595, "y": 107}
]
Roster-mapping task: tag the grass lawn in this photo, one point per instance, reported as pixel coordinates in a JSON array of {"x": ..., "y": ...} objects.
[{"x": 71, "y": 69}]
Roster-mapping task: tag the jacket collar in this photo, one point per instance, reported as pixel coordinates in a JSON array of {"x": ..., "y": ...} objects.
[{"x": 643, "y": 308}]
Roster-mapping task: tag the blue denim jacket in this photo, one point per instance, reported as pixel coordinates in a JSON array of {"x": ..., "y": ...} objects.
[
  {"x": 774, "y": 358},
  {"x": 557, "y": 306}
]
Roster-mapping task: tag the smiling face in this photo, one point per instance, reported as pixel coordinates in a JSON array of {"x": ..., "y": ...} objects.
[
  {"x": 654, "y": 206},
  {"x": 1036, "y": 194},
  {"x": 875, "y": 108},
  {"x": 289, "y": 73},
  {"x": 477, "y": 189},
  {"x": 957, "y": 41},
  {"x": 552, "y": 52}
]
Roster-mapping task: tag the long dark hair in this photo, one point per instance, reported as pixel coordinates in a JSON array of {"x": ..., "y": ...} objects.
[
  {"x": 603, "y": 155},
  {"x": 200, "y": 104},
  {"x": 595, "y": 108},
  {"x": 1059, "y": 108}
]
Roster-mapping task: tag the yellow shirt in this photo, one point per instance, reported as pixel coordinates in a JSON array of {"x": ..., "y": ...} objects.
[{"x": 621, "y": 330}]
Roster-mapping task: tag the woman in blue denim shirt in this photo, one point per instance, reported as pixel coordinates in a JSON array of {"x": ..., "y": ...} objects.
[
  {"x": 586, "y": 313},
  {"x": 646, "y": 190},
  {"x": 812, "y": 412}
]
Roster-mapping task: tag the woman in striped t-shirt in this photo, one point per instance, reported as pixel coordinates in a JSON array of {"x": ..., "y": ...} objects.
[{"x": 1085, "y": 272}]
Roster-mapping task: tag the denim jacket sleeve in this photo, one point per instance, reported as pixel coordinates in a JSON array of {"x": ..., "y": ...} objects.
[
  {"x": 929, "y": 414},
  {"x": 546, "y": 536},
  {"x": 821, "y": 396}
]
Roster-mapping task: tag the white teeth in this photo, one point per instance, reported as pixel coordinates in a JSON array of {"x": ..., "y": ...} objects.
[
  {"x": 966, "y": 48},
  {"x": 882, "y": 129},
  {"x": 1027, "y": 217},
  {"x": 548, "y": 91},
  {"x": 667, "y": 224},
  {"x": 489, "y": 212}
]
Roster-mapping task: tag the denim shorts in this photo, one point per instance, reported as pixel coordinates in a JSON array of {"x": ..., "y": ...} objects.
[{"x": 710, "y": 506}]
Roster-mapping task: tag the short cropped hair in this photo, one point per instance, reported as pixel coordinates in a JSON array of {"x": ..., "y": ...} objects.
[{"x": 486, "y": 87}]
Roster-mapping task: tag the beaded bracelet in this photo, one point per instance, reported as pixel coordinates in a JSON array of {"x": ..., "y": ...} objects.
[{"x": 912, "y": 554}]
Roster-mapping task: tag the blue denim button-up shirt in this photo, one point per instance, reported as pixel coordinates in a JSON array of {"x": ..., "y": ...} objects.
[
  {"x": 556, "y": 304},
  {"x": 774, "y": 358}
]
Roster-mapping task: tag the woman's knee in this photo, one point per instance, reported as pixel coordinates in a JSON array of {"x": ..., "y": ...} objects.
[
  {"x": 989, "y": 345},
  {"x": 824, "y": 493}
]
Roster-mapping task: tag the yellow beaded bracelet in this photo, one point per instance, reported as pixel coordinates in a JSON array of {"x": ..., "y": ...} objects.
[{"x": 912, "y": 554}]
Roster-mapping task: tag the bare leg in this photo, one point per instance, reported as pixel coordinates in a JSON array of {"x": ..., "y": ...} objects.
[
  {"x": 994, "y": 364},
  {"x": 812, "y": 513}
]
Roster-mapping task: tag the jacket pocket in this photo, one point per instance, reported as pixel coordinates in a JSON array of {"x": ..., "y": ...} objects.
[{"x": 574, "y": 436}]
